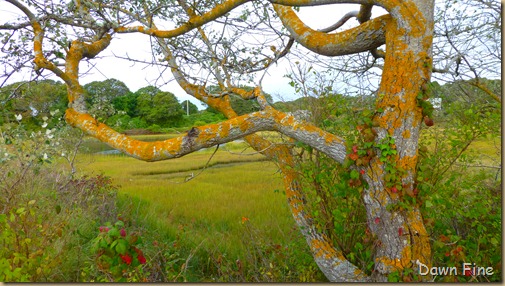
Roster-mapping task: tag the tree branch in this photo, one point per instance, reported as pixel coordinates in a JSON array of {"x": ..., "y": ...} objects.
[
  {"x": 367, "y": 36},
  {"x": 340, "y": 22},
  {"x": 193, "y": 22}
]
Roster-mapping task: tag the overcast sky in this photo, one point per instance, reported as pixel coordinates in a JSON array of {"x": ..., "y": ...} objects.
[{"x": 136, "y": 75}]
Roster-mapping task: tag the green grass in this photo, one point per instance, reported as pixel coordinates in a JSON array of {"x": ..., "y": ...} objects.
[
  {"x": 210, "y": 206},
  {"x": 206, "y": 212}
]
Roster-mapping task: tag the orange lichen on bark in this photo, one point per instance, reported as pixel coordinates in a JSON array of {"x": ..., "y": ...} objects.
[
  {"x": 322, "y": 248},
  {"x": 407, "y": 162},
  {"x": 393, "y": 264},
  {"x": 406, "y": 134},
  {"x": 368, "y": 35},
  {"x": 421, "y": 248},
  {"x": 193, "y": 22}
]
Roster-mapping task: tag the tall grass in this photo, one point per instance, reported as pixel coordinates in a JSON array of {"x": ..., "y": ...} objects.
[{"x": 206, "y": 201}]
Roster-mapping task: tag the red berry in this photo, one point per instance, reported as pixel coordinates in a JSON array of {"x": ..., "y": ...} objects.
[
  {"x": 428, "y": 121},
  {"x": 394, "y": 190},
  {"x": 355, "y": 149},
  {"x": 377, "y": 220},
  {"x": 362, "y": 172},
  {"x": 126, "y": 258},
  {"x": 123, "y": 232}
]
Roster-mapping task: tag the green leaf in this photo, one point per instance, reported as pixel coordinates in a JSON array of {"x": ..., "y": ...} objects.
[
  {"x": 428, "y": 204},
  {"x": 122, "y": 246},
  {"x": 113, "y": 232}
]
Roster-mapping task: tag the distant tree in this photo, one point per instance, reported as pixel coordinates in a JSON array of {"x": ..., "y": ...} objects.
[
  {"x": 162, "y": 108},
  {"x": 148, "y": 90},
  {"x": 31, "y": 99},
  {"x": 101, "y": 94},
  {"x": 188, "y": 106},
  {"x": 126, "y": 103}
]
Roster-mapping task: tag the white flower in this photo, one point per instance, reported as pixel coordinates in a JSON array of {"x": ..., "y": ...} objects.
[
  {"x": 45, "y": 118},
  {"x": 19, "y": 117},
  {"x": 6, "y": 154},
  {"x": 63, "y": 154},
  {"x": 44, "y": 125},
  {"x": 48, "y": 131},
  {"x": 45, "y": 156}
]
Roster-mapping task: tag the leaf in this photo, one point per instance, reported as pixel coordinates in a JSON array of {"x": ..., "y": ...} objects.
[
  {"x": 113, "y": 232},
  {"x": 428, "y": 204},
  {"x": 122, "y": 246}
]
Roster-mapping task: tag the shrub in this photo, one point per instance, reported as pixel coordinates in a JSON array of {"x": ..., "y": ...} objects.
[{"x": 118, "y": 258}]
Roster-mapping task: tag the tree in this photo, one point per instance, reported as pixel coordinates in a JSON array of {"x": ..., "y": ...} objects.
[
  {"x": 381, "y": 164},
  {"x": 100, "y": 96},
  {"x": 160, "y": 108},
  {"x": 33, "y": 98},
  {"x": 126, "y": 103}
]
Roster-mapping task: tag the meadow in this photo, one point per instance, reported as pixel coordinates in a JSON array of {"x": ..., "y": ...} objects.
[{"x": 223, "y": 203}]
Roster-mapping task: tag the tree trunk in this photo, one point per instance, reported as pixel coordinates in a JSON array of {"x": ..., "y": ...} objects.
[{"x": 402, "y": 240}]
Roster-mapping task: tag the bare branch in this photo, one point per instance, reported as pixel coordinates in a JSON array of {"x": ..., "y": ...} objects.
[{"x": 340, "y": 22}]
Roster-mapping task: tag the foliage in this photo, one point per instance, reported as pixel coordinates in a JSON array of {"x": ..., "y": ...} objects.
[
  {"x": 45, "y": 209},
  {"x": 33, "y": 101},
  {"x": 457, "y": 189},
  {"x": 118, "y": 255},
  {"x": 461, "y": 188},
  {"x": 100, "y": 96},
  {"x": 333, "y": 191},
  {"x": 162, "y": 108},
  {"x": 26, "y": 240},
  {"x": 127, "y": 103},
  {"x": 265, "y": 260}
]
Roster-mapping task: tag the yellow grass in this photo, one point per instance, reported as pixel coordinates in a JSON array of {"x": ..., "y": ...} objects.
[{"x": 209, "y": 207}]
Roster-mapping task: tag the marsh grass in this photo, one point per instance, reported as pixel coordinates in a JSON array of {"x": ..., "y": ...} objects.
[
  {"x": 201, "y": 201},
  {"x": 206, "y": 203}
]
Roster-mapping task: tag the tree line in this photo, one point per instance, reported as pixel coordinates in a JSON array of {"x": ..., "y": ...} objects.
[{"x": 113, "y": 103}]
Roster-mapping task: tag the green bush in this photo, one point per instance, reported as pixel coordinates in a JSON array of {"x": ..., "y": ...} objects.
[{"x": 118, "y": 258}]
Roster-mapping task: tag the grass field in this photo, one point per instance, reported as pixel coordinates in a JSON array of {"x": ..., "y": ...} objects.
[
  {"x": 206, "y": 197},
  {"x": 237, "y": 184}
]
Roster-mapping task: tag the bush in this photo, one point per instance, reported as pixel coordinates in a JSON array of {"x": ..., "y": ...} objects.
[
  {"x": 118, "y": 258},
  {"x": 46, "y": 210}
]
